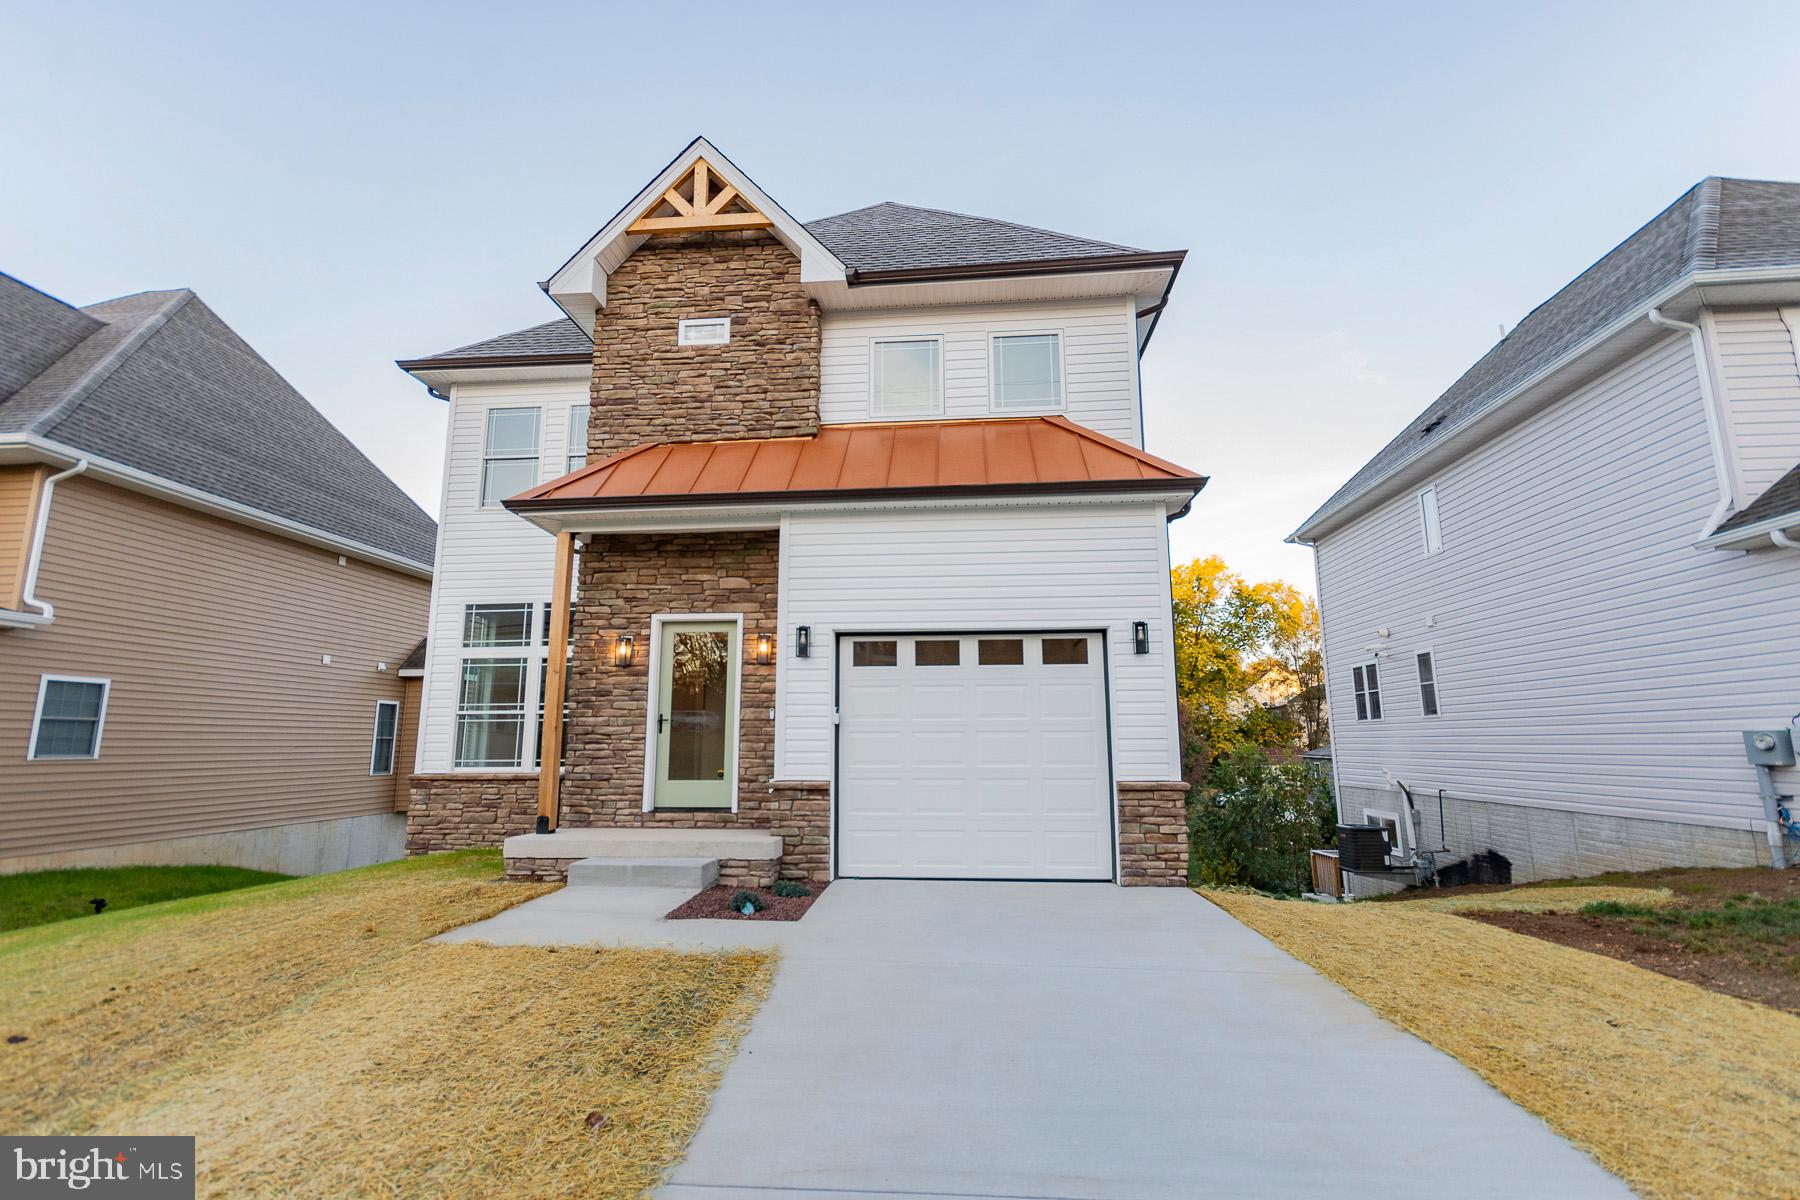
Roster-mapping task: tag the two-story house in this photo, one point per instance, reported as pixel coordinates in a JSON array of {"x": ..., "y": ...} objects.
[
  {"x": 849, "y": 533},
  {"x": 1555, "y": 605},
  {"x": 208, "y": 595}
]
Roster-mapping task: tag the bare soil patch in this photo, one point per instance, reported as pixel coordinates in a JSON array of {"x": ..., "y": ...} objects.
[{"x": 715, "y": 904}]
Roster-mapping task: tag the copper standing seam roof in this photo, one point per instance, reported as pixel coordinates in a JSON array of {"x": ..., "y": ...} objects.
[{"x": 1006, "y": 455}]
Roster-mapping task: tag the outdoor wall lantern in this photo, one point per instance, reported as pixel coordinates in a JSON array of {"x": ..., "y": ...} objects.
[
  {"x": 1140, "y": 637},
  {"x": 802, "y": 641},
  {"x": 765, "y": 649},
  {"x": 622, "y": 650}
]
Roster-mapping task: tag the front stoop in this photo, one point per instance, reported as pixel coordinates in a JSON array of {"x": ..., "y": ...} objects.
[{"x": 745, "y": 857}]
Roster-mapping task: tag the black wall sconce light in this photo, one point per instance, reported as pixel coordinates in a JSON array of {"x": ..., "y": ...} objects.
[
  {"x": 765, "y": 649},
  {"x": 623, "y": 648},
  {"x": 1140, "y": 637},
  {"x": 803, "y": 641}
]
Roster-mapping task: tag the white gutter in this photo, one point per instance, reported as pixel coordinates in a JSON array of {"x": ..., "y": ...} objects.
[
  {"x": 1714, "y": 434},
  {"x": 187, "y": 497},
  {"x": 46, "y": 612}
]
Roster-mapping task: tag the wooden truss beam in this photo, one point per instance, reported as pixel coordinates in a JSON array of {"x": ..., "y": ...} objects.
[{"x": 692, "y": 206}]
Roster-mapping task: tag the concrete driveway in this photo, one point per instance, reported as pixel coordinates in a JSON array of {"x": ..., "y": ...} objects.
[{"x": 1084, "y": 1041}]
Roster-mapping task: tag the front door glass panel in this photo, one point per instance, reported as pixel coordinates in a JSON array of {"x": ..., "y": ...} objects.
[{"x": 695, "y": 727}]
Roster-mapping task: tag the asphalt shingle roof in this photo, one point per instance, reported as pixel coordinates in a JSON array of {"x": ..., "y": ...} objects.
[
  {"x": 1718, "y": 224},
  {"x": 892, "y": 237},
  {"x": 1782, "y": 498},
  {"x": 161, "y": 384},
  {"x": 881, "y": 237}
]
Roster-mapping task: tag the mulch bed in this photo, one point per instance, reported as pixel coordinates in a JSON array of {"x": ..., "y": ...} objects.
[
  {"x": 714, "y": 904},
  {"x": 1729, "y": 973}
]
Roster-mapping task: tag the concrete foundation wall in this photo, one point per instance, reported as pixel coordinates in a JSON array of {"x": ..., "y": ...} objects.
[
  {"x": 1554, "y": 843},
  {"x": 303, "y": 848}
]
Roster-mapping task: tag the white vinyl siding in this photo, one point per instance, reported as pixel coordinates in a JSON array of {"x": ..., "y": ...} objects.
[
  {"x": 1604, "y": 664},
  {"x": 1759, "y": 386},
  {"x": 1099, "y": 359},
  {"x": 485, "y": 555},
  {"x": 1072, "y": 567}
]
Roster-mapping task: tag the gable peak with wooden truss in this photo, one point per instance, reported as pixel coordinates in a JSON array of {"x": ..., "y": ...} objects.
[
  {"x": 701, "y": 201},
  {"x": 698, "y": 191}
]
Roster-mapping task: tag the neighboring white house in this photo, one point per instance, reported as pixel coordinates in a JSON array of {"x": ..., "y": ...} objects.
[
  {"x": 1563, "y": 594},
  {"x": 892, "y": 463}
]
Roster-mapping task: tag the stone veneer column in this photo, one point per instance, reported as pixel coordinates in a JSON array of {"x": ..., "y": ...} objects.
[{"x": 1153, "y": 847}]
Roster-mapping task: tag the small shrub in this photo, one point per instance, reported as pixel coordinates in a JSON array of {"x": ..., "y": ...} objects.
[
  {"x": 743, "y": 896},
  {"x": 790, "y": 889},
  {"x": 1255, "y": 822}
]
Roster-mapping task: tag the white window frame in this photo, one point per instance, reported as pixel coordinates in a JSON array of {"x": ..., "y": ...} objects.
[
  {"x": 1399, "y": 851},
  {"x": 1361, "y": 690},
  {"x": 1437, "y": 692},
  {"x": 488, "y": 456},
  {"x": 1061, "y": 403},
  {"x": 570, "y": 452},
  {"x": 535, "y": 651},
  {"x": 691, "y": 332},
  {"x": 654, "y": 699},
  {"x": 875, "y": 406},
  {"x": 375, "y": 737},
  {"x": 37, "y": 716},
  {"x": 1431, "y": 523}
]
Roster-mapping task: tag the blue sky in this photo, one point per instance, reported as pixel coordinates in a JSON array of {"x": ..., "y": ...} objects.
[{"x": 1367, "y": 192}]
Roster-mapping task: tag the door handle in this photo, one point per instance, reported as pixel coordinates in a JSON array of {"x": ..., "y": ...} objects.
[{"x": 662, "y": 722}]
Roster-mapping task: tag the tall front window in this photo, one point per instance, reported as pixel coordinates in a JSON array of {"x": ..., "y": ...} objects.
[
  {"x": 509, "y": 462},
  {"x": 387, "y": 732},
  {"x": 578, "y": 435},
  {"x": 906, "y": 377},
  {"x": 500, "y": 696},
  {"x": 70, "y": 713},
  {"x": 1027, "y": 371}
]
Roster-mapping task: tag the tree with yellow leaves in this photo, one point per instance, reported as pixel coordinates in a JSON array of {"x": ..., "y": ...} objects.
[{"x": 1248, "y": 665}]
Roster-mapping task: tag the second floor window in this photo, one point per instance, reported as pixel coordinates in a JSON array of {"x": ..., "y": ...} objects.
[
  {"x": 1027, "y": 371},
  {"x": 1367, "y": 687},
  {"x": 906, "y": 377},
  {"x": 1428, "y": 698},
  {"x": 509, "y": 462},
  {"x": 578, "y": 435}
]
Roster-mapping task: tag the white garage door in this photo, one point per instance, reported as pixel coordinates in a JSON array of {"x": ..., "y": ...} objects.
[{"x": 976, "y": 756}]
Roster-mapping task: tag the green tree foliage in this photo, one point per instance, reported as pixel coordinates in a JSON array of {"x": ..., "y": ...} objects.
[{"x": 1254, "y": 822}]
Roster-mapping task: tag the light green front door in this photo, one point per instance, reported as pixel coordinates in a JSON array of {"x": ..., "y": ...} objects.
[{"x": 696, "y": 727}]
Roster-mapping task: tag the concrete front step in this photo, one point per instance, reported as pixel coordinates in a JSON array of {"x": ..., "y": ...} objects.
[
  {"x": 645, "y": 843},
  {"x": 690, "y": 874}
]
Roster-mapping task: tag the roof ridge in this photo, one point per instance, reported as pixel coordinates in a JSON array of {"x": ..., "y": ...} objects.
[
  {"x": 1701, "y": 252},
  {"x": 103, "y": 367}
]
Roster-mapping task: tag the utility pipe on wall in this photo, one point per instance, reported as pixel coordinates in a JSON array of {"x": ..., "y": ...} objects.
[
  {"x": 1703, "y": 369},
  {"x": 44, "y": 608}
]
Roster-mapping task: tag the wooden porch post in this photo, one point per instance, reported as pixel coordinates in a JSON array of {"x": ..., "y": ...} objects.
[{"x": 555, "y": 685}]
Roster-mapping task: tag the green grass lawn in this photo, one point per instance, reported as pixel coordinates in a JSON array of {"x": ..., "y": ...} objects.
[{"x": 39, "y": 897}]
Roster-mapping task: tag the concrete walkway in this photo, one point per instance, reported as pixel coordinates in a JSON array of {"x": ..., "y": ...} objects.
[{"x": 1067, "y": 1041}]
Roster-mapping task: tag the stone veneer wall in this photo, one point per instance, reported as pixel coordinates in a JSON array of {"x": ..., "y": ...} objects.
[
  {"x": 455, "y": 812},
  {"x": 625, "y": 580},
  {"x": 763, "y": 383},
  {"x": 1153, "y": 846}
]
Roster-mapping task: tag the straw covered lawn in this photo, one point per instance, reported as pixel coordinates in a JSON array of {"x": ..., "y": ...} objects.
[
  {"x": 1680, "y": 1091},
  {"x": 1562, "y": 898},
  {"x": 316, "y": 1047}
]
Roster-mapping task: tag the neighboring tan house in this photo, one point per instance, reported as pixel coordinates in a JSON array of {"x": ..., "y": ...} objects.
[
  {"x": 1568, "y": 589},
  {"x": 205, "y": 594},
  {"x": 870, "y": 571}
]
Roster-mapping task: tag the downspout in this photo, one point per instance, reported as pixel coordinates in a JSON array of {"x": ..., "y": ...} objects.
[
  {"x": 1703, "y": 369},
  {"x": 1780, "y": 538},
  {"x": 44, "y": 608}
]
